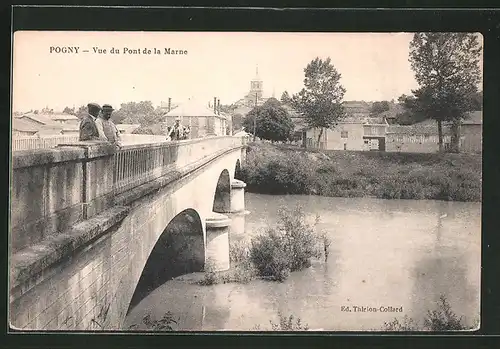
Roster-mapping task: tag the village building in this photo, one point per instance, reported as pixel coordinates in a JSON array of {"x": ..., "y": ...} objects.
[
  {"x": 421, "y": 137},
  {"x": 347, "y": 135},
  {"x": 202, "y": 120},
  {"x": 472, "y": 133},
  {"x": 35, "y": 124}
]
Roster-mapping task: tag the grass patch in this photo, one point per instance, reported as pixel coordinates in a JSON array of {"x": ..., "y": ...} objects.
[
  {"x": 166, "y": 323},
  {"x": 275, "y": 169}
]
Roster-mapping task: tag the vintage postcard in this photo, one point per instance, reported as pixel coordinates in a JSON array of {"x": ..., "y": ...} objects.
[{"x": 245, "y": 181}]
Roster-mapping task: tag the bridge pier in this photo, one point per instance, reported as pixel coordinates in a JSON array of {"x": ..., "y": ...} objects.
[
  {"x": 217, "y": 248},
  {"x": 238, "y": 211}
]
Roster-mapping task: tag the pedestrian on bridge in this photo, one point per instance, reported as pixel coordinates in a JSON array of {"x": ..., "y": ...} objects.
[
  {"x": 107, "y": 126},
  {"x": 177, "y": 131},
  {"x": 88, "y": 127}
]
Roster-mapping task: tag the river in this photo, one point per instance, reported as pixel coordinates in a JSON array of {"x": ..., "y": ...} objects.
[{"x": 403, "y": 254}]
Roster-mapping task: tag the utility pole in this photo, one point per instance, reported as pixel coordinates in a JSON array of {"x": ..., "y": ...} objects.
[{"x": 255, "y": 118}]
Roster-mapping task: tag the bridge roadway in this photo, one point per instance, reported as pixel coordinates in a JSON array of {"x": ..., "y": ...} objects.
[{"x": 95, "y": 228}]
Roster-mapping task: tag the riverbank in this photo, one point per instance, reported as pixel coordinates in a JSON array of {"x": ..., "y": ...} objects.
[{"x": 275, "y": 169}]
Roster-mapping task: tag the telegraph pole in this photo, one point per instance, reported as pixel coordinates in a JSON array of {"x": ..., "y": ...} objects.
[{"x": 255, "y": 118}]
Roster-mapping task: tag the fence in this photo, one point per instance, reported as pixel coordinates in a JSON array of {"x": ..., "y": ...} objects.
[{"x": 35, "y": 142}]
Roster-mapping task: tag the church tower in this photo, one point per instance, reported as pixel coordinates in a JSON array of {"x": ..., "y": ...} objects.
[{"x": 256, "y": 86}]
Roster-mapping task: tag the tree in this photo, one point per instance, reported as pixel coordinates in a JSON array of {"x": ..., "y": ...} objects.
[
  {"x": 69, "y": 110},
  {"x": 237, "y": 122},
  {"x": 81, "y": 112},
  {"x": 285, "y": 98},
  {"x": 446, "y": 67},
  {"x": 272, "y": 121},
  {"x": 477, "y": 101},
  {"x": 142, "y": 113},
  {"x": 379, "y": 107},
  {"x": 320, "y": 101}
]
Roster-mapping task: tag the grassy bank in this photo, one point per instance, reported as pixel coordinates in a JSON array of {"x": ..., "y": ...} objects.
[{"x": 272, "y": 169}]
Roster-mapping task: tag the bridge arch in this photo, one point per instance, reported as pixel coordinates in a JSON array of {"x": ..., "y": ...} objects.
[
  {"x": 238, "y": 174},
  {"x": 222, "y": 196},
  {"x": 179, "y": 250}
]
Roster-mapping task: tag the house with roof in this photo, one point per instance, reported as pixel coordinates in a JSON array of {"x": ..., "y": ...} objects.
[
  {"x": 33, "y": 124},
  {"x": 348, "y": 134},
  {"x": 127, "y": 128},
  {"x": 22, "y": 128},
  {"x": 203, "y": 121},
  {"x": 64, "y": 119},
  {"x": 421, "y": 137},
  {"x": 471, "y": 133},
  {"x": 48, "y": 124},
  {"x": 374, "y": 133}
]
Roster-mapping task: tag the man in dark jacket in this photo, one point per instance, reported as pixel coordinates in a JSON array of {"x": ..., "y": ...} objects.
[{"x": 88, "y": 127}]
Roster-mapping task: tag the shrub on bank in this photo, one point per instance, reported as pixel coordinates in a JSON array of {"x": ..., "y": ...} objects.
[{"x": 276, "y": 170}]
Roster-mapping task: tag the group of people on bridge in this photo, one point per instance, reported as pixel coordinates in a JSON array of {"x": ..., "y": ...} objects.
[{"x": 97, "y": 125}]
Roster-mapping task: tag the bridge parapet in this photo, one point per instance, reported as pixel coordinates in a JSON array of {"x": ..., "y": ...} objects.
[{"x": 54, "y": 189}]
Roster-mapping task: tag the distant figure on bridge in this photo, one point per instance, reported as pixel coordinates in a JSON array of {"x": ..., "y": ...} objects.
[
  {"x": 88, "y": 127},
  {"x": 177, "y": 131},
  {"x": 187, "y": 131},
  {"x": 107, "y": 126}
]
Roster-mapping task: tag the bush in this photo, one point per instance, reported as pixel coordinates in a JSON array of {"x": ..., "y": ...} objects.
[
  {"x": 286, "y": 248},
  {"x": 287, "y": 324},
  {"x": 441, "y": 319},
  {"x": 283, "y": 170}
]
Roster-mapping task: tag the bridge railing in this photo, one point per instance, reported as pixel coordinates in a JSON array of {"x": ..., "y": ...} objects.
[
  {"x": 137, "y": 164},
  {"x": 53, "y": 189}
]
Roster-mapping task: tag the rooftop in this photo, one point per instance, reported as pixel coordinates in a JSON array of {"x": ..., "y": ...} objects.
[
  {"x": 474, "y": 118},
  {"x": 192, "y": 108}
]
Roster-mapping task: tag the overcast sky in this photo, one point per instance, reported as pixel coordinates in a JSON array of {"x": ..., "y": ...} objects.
[{"x": 373, "y": 66}]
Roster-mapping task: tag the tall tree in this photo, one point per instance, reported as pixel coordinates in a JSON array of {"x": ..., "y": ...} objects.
[
  {"x": 143, "y": 113},
  {"x": 320, "y": 101},
  {"x": 81, "y": 112},
  {"x": 477, "y": 101},
  {"x": 271, "y": 121},
  {"x": 285, "y": 97},
  {"x": 379, "y": 107},
  {"x": 446, "y": 67}
]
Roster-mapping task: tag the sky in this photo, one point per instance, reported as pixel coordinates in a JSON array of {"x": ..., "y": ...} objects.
[{"x": 373, "y": 66}]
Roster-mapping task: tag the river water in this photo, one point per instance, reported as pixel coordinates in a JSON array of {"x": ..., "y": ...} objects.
[{"x": 402, "y": 254}]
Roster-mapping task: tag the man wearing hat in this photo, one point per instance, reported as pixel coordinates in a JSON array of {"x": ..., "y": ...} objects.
[
  {"x": 107, "y": 125},
  {"x": 177, "y": 131},
  {"x": 88, "y": 127}
]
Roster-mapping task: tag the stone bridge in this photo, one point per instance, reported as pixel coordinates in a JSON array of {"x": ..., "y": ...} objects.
[{"x": 94, "y": 228}]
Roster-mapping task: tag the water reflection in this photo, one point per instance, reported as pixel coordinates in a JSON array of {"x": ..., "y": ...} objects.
[{"x": 398, "y": 253}]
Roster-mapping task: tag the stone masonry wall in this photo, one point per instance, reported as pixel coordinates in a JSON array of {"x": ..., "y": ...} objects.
[{"x": 92, "y": 289}]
